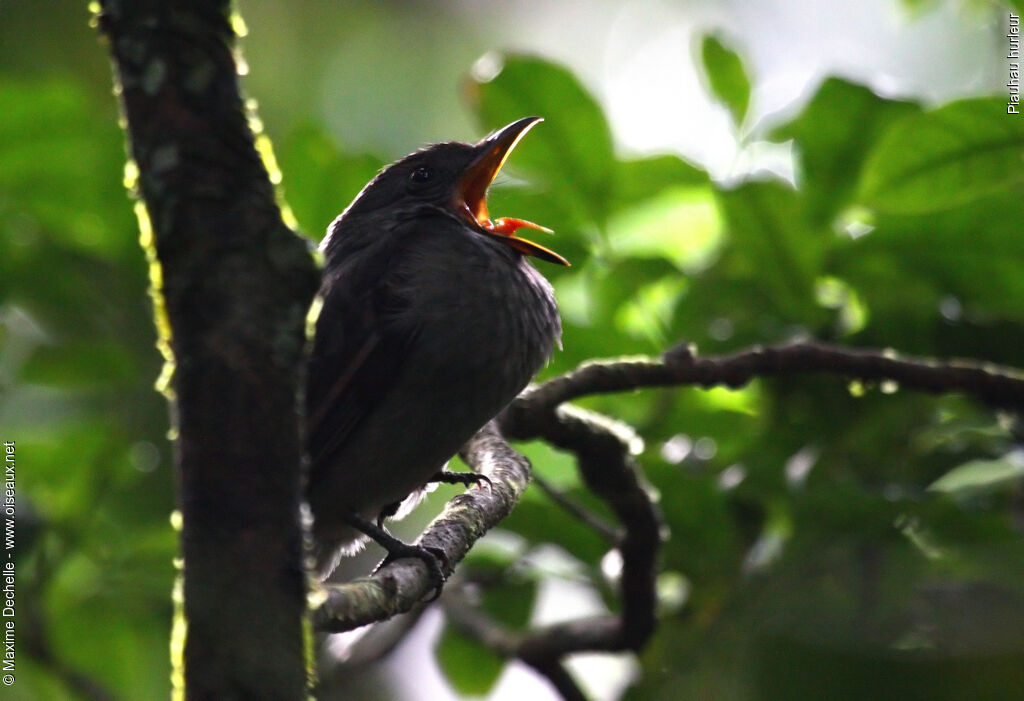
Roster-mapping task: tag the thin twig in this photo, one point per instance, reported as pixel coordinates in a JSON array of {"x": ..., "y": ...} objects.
[
  {"x": 591, "y": 520},
  {"x": 998, "y": 387},
  {"x": 476, "y": 624},
  {"x": 556, "y": 673},
  {"x": 608, "y": 470}
]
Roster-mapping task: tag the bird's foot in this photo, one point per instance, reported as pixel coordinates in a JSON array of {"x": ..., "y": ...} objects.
[
  {"x": 433, "y": 558},
  {"x": 464, "y": 478}
]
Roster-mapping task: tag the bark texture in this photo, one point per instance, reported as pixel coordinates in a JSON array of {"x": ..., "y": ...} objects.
[{"x": 236, "y": 284}]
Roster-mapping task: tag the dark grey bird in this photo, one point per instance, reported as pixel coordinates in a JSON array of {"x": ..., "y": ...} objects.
[{"x": 432, "y": 322}]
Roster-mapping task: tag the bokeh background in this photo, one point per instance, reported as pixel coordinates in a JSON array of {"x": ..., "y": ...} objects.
[{"x": 802, "y": 175}]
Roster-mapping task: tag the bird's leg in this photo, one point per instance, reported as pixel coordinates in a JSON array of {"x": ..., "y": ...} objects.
[
  {"x": 464, "y": 478},
  {"x": 387, "y": 512},
  {"x": 431, "y": 557}
]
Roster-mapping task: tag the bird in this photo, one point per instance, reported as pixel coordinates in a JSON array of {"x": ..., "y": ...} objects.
[{"x": 432, "y": 321}]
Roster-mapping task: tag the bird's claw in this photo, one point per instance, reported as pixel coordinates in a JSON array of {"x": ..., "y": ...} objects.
[
  {"x": 463, "y": 478},
  {"x": 434, "y": 558}
]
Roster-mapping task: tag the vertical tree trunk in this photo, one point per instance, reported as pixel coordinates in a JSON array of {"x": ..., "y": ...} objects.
[{"x": 236, "y": 285}]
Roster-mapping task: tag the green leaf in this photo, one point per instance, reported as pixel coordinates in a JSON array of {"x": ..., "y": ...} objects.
[
  {"x": 980, "y": 477},
  {"x": 556, "y": 467},
  {"x": 919, "y": 7},
  {"x": 680, "y": 224},
  {"x": 953, "y": 155},
  {"x": 642, "y": 178},
  {"x": 618, "y": 282},
  {"x": 319, "y": 178},
  {"x": 704, "y": 541},
  {"x": 647, "y": 316},
  {"x": 726, "y": 77},
  {"x": 539, "y": 521},
  {"x": 63, "y": 167},
  {"x": 511, "y": 602},
  {"x": 970, "y": 253},
  {"x": 771, "y": 245},
  {"x": 99, "y": 363},
  {"x": 470, "y": 667},
  {"x": 570, "y": 155},
  {"x": 76, "y": 302},
  {"x": 833, "y": 136}
]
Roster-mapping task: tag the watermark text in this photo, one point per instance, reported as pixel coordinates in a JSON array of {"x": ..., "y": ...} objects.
[
  {"x": 1013, "y": 58},
  {"x": 7, "y": 602}
]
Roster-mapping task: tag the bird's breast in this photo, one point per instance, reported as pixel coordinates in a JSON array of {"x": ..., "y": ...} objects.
[{"x": 484, "y": 317}]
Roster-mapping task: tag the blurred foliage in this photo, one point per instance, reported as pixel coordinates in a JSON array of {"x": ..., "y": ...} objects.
[
  {"x": 726, "y": 77},
  {"x": 827, "y": 540},
  {"x": 77, "y": 367}
]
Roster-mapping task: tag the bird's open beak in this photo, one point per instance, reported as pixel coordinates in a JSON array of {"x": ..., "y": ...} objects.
[{"x": 471, "y": 193}]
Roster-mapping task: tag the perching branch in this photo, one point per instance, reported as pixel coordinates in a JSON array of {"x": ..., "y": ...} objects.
[
  {"x": 607, "y": 468},
  {"x": 403, "y": 584},
  {"x": 1001, "y": 388}
]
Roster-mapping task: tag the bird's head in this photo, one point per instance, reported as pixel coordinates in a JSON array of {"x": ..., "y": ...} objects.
[{"x": 454, "y": 177}]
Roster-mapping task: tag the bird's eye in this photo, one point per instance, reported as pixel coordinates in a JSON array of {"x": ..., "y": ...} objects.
[{"x": 421, "y": 174}]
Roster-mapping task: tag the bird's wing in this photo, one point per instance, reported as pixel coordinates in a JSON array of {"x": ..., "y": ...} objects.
[{"x": 357, "y": 354}]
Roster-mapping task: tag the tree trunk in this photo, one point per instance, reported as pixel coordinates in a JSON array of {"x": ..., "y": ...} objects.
[{"x": 236, "y": 284}]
